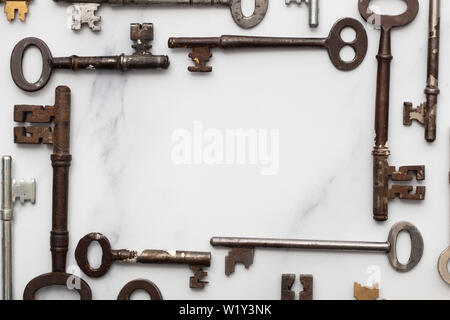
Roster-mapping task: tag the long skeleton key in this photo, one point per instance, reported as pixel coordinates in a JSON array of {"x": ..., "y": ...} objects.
[
  {"x": 141, "y": 34},
  {"x": 195, "y": 260},
  {"x": 243, "y": 249},
  {"x": 201, "y": 47},
  {"x": 443, "y": 263},
  {"x": 59, "y": 136},
  {"x": 382, "y": 172},
  {"x": 313, "y": 10},
  {"x": 426, "y": 112},
  {"x": 84, "y": 10},
  {"x": 11, "y": 191},
  {"x": 11, "y": 6}
]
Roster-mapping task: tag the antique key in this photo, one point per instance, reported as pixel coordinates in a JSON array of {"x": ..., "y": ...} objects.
[
  {"x": 59, "y": 137},
  {"x": 443, "y": 263},
  {"x": 142, "y": 58},
  {"x": 243, "y": 249},
  {"x": 201, "y": 47},
  {"x": 11, "y": 6},
  {"x": 84, "y": 10},
  {"x": 313, "y": 10},
  {"x": 11, "y": 191},
  {"x": 196, "y": 260},
  {"x": 382, "y": 171},
  {"x": 140, "y": 284},
  {"x": 287, "y": 281},
  {"x": 426, "y": 112}
]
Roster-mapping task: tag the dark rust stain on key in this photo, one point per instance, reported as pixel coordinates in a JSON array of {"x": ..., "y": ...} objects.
[
  {"x": 382, "y": 171},
  {"x": 140, "y": 284},
  {"x": 59, "y": 136}
]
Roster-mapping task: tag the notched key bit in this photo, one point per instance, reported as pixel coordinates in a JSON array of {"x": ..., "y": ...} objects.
[
  {"x": 24, "y": 191},
  {"x": 85, "y": 14},
  {"x": 313, "y": 10},
  {"x": 11, "y": 6},
  {"x": 365, "y": 293},
  {"x": 407, "y": 173},
  {"x": 196, "y": 281},
  {"x": 33, "y": 114},
  {"x": 287, "y": 281},
  {"x": 238, "y": 255}
]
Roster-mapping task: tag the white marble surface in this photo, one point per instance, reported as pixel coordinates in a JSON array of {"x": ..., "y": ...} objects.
[{"x": 125, "y": 185}]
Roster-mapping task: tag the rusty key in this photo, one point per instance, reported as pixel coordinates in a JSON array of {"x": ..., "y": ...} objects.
[
  {"x": 201, "y": 47},
  {"x": 59, "y": 137},
  {"x": 196, "y": 260},
  {"x": 142, "y": 58},
  {"x": 426, "y": 112},
  {"x": 382, "y": 171}
]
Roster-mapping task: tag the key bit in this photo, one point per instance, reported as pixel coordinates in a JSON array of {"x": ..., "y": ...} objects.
[
  {"x": 365, "y": 293},
  {"x": 33, "y": 114},
  {"x": 142, "y": 35},
  {"x": 407, "y": 173},
  {"x": 11, "y": 6},
  {"x": 84, "y": 13},
  {"x": 287, "y": 281},
  {"x": 238, "y": 255},
  {"x": 24, "y": 191},
  {"x": 313, "y": 10},
  {"x": 196, "y": 281}
]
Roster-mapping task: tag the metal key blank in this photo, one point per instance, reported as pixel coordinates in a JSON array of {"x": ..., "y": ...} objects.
[
  {"x": 313, "y": 10},
  {"x": 382, "y": 171},
  {"x": 201, "y": 47},
  {"x": 196, "y": 260},
  {"x": 13, "y": 6},
  {"x": 426, "y": 113},
  {"x": 243, "y": 249},
  {"x": 142, "y": 58},
  {"x": 84, "y": 10},
  {"x": 11, "y": 191}
]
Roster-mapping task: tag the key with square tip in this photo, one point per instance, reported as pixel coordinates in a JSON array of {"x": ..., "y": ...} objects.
[
  {"x": 201, "y": 47},
  {"x": 313, "y": 10},
  {"x": 195, "y": 260},
  {"x": 243, "y": 249},
  {"x": 13, "y": 6},
  {"x": 84, "y": 10},
  {"x": 11, "y": 191},
  {"x": 383, "y": 173},
  {"x": 142, "y": 58},
  {"x": 426, "y": 112}
]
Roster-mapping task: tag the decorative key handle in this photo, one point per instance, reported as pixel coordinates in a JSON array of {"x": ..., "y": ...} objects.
[
  {"x": 287, "y": 281},
  {"x": 142, "y": 58},
  {"x": 11, "y": 191},
  {"x": 140, "y": 284},
  {"x": 196, "y": 260},
  {"x": 426, "y": 112},
  {"x": 243, "y": 249},
  {"x": 201, "y": 47},
  {"x": 11, "y": 6},
  {"x": 313, "y": 10},
  {"x": 382, "y": 171},
  {"x": 59, "y": 137},
  {"x": 84, "y": 10}
]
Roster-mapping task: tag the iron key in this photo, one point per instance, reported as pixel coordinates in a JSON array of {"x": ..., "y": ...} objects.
[{"x": 201, "y": 47}]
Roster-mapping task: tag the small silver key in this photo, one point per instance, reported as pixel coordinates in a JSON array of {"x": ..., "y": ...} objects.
[
  {"x": 313, "y": 10},
  {"x": 11, "y": 191}
]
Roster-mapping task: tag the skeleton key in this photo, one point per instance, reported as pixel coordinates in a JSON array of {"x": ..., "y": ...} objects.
[
  {"x": 313, "y": 10},
  {"x": 426, "y": 112},
  {"x": 287, "y": 281},
  {"x": 141, "y": 34},
  {"x": 140, "y": 284},
  {"x": 243, "y": 249},
  {"x": 11, "y": 6},
  {"x": 195, "y": 260},
  {"x": 11, "y": 191},
  {"x": 201, "y": 47},
  {"x": 84, "y": 10},
  {"x": 59, "y": 136},
  {"x": 382, "y": 172},
  {"x": 443, "y": 263}
]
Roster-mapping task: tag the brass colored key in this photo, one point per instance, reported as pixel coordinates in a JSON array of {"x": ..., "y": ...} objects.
[{"x": 11, "y": 6}]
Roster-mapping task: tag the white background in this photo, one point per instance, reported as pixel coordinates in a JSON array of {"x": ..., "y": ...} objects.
[{"x": 125, "y": 185}]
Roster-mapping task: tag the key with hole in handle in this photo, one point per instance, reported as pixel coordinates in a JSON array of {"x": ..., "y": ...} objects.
[
  {"x": 13, "y": 6},
  {"x": 382, "y": 171},
  {"x": 201, "y": 47},
  {"x": 141, "y": 34},
  {"x": 84, "y": 10},
  {"x": 243, "y": 249},
  {"x": 196, "y": 260},
  {"x": 426, "y": 112}
]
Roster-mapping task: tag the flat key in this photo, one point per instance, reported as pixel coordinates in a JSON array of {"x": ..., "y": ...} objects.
[
  {"x": 142, "y": 58},
  {"x": 85, "y": 10},
  {"x": 195, "y": 260},
  {"x": 383, "y": 173},
  {"x": 11, "y": 191},
  {"x": 243, "y": 249},
  {"x": 313, "y": 10},
  {"x": 426, "y": 112},
  {"x": 13, "y": 6},
  {"x": 201, "y": 47}
]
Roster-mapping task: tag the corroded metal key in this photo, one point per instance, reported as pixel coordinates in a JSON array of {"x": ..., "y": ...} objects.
[
  {"x": 243, "y": 249},
  {"x": 142, "y": 58},
  {"x": 84, "y": 10},
  {"x": 443, "y": 263},
  {"x": 426, "y": 112},
  {"x": 59, "y": 137},
  {"x": 201, "y": 47},
  {"x": 313, "y": 10},
  {"x": 11, "y": 191},
  {"x": 195, "y": 260},
  {"x": 11, "y": 6},
  {"x": 382, "y": 171}
]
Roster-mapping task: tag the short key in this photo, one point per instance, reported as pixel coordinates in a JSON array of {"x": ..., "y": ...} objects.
[
  {"x": 382, "y": 171},
  {"x": 243, "y": 249},
  {"x": 201, "y": 47},
  {"x": 11, "y": 6},
  {"x": 195, "y": 260}
]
